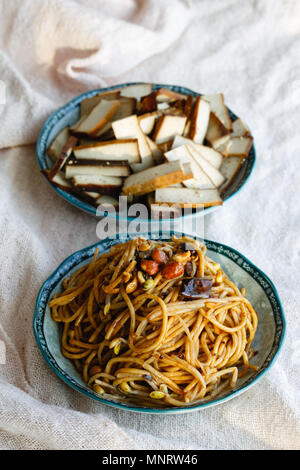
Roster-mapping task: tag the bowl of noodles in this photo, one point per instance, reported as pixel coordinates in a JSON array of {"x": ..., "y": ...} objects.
[{"x": 159, "y": 323}]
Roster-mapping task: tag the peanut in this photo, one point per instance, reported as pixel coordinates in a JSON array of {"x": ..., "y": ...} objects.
[
  {"x": 172, "y": 270},
  {"x": 149, "y": 266}
]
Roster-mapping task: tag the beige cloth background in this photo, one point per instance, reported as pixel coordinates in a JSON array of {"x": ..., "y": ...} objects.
[{"x": 49, "y": 52}]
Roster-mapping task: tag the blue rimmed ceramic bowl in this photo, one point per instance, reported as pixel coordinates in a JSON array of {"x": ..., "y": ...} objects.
[
  {"x": 260, "y": 291},
  {"x": 68, "y": 114}
]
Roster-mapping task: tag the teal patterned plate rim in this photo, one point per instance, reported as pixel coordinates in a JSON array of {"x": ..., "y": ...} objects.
[
  {"x": 85, "y": 254},
  {"x": 63, "y": 117}
]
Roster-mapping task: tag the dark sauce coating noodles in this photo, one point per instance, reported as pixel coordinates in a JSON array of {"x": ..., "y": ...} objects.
[{"x": 134, "y": 330}]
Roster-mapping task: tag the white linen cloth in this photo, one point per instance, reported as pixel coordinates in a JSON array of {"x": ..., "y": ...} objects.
[{"x": 49, "y": 52}]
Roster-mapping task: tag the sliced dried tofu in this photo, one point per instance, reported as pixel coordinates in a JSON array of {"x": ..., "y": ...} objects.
[
  {"x": 229, "y": 169},
  {"x": 156, "y": 151},
  {"x": 147, "y": 121},
  {"x": 92, "y": 196},
  {"x": 164, "y": 211},
  {"x": 167, "y": 127},
  {"x": 103, "y": 184},
  {"x": 59, "y": 180},
  {"x": 106, "y": 200},
  {"x": 218, "y": 107},
  {"x": 105, "y": 129},
  {"x": 129, "y": 128},
  {"x": 239, "y": 129},
  {"x": 200, "y": 179},
  {"x": 189, "y": 105},
  {"x": 96, "y": 167},
  {"x": 215, "y": 129},
  {"x": 238, "y": 146},
  {"x": 220, "y": 144},
  {"x": 211, "y": 155},
  {"x": 55, "y": 148},
  {"x": 185, "y": 197},
  {"x": 64, "y": 156},
  {"x": 166, "y": 95},
  {"x": 74, "y": 127},
  {"x": 163, "y": 106},
  {"x": 157, "y": 177},
  {"x": 166, "y": 146},
  {"x": 214, "y": 175},
  {"x": 199, "y": 120},
  {"x": 148, "y": 103},
  {"x": 87, "y": 104},
  {"x": 177, "y": 185},
  {"x": 187, "y": 128},
  {"x": 123, "y": 149},
  {"x": 99, "y": 116},
  {"x": 127, "y": 107},
  {"x": 136, "y": 91}
]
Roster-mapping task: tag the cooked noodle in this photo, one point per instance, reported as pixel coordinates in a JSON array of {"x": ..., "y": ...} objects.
[{"x": 135, "y": 333}]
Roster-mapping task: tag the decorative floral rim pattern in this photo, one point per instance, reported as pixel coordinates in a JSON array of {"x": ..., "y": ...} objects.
[
  {"x": 43, "y": 143},
  {"x": 72, "y": 261}
]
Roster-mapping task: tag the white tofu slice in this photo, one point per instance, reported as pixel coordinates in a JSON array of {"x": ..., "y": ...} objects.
[
  {"x": 87, "y": 105},
  {"x": 106, "y": 200},
  {"x": 55, "y": 148},
  {"x": 137, "y": 91},
  {"x": 166, "y": 146},
  {"x": 199, "y": 120},
  {"x": 147, "y": 121},
  {"x": 239, "y": 129},
  {"x": 127, "y": 107},
  {"x": 157, "y": 177},
  {"x": 214, "y": 175},
  {"x": 129, "y": 128},
  {"x": 212, "y": 156},
  {"x": 220, "y": 144},
  {"x": 167, "y": 127},
  {"x": 229, "y": 170},
  {"x": 166, "y": 95},
  {"x": 177, "y": 185},
  {"x": 218, "y": 107},
  {"x": 59, "y": 180},
  {"x": 238, "y": 146},
  {"x": 91, "y": 195},
  {"x": 96, "y": 167},
  {"x": 215, "y": 129},
  {"x": 123, "y": 149},
  {"x": 65, "y": 155},
  {"x": 156, "y": 151},
  {"x": 99, "y": 116},
  {"x": 185, "y": 197},
  {"x": 163, "y": 106},
  {"x": 97, "y": 183},
  {"x": 78, "y": 123},
  {"x": 164, "y": 211},
  {"x": 103, "y": 130},
  {"x": 200, "y": 179}
]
